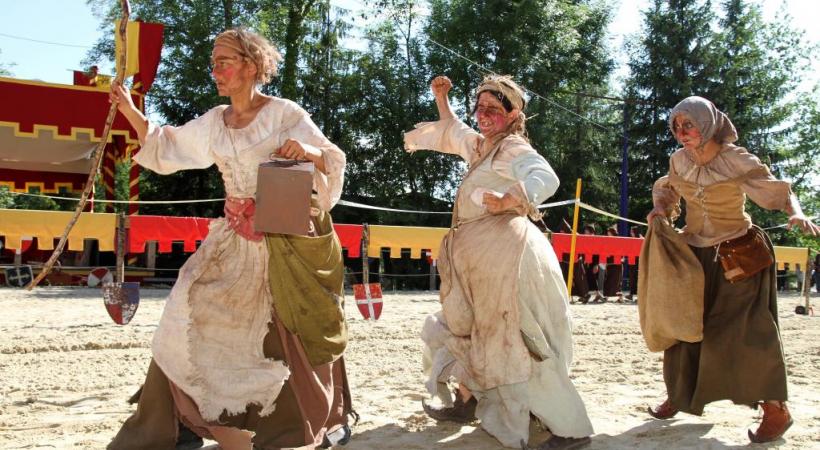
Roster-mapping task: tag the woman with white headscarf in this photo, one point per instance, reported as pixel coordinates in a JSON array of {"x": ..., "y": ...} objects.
[
  {"x": 740, "y": 357},
  {"x": 504, "y": 332}
]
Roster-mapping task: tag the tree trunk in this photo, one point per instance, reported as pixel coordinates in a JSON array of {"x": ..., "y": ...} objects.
[
  {"x": 293, "y": 36},
  {"x": 227, "y": 8}
]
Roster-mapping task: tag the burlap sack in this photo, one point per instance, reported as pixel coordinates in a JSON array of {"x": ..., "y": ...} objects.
[{"x": 670, "y": 289}]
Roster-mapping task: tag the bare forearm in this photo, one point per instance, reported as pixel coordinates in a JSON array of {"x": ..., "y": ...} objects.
[
  {"x": 138, "y": 122},
  {"x": 444, "y": 109},
  {"x": 316, "y": 156},
  {"x": 794, "y": 206}
]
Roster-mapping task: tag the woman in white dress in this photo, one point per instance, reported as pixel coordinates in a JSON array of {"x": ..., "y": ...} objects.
[
  {"x": 504, "y": 332},
  {"x": 223, "y": 363}
]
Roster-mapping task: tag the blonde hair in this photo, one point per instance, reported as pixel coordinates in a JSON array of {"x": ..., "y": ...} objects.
[{"x": 255, "y": 48}]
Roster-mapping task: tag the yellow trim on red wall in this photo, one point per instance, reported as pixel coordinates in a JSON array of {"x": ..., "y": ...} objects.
[
  {"x": 55, "y": 85},
  {"x": 60, "y": 137},
  {"x": 69, "y": 187}
]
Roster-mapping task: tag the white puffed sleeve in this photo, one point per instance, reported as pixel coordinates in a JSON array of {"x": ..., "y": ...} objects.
[
  {"x": 168, "y": 149},
  {"x": 446, "y": 136},
  {"x": 517, "y": 160},
  {"x": 328, "y": 186}
]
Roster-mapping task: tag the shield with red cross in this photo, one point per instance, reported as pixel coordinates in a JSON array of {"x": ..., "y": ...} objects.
[
  {"x": 369, "y": 299},
  {"x": 121, "y": 300}
]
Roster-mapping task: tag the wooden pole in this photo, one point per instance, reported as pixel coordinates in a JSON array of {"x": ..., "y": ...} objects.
[
  {"x": 575, "y": 215},
  {"x": 432, "y": 273},
  {"x": 365, "y": 262},
  {"x": 806, "y": 287},
  {"x": 96, "y": 156},
  {"x": 121, "y": 226}
]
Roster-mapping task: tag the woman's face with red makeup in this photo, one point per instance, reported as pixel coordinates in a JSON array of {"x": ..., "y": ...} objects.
[
  {"x": 231, "y": 71},
  {"x": 491, "y": 116}
]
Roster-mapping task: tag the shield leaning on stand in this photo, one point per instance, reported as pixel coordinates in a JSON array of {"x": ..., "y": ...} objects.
[
  {"x": 369, "y": 299},
  {"x": 121, "y": 300}
]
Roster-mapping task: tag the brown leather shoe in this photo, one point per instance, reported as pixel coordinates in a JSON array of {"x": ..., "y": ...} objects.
[
  {"x": 664, "y": 411},
  {"x": 776, "y": 420},
  {"x": 460, "y": 411}
]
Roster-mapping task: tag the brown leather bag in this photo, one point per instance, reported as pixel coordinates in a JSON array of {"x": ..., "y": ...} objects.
[{"x": 745, "y": 256}]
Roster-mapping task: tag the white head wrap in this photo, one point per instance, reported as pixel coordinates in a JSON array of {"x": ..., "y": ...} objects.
[{"x": 710, "y": 121}]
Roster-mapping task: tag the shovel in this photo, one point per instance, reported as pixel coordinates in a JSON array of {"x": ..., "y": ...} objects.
[{"x": 121, "y": 298}]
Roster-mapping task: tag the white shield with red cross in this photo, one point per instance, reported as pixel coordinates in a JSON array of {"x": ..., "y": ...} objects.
[
  {"x": 121, "y": 300},
  {"x": 369, "y": 299}
]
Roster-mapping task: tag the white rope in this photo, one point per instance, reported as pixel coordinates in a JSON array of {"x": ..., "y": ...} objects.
[
  {"x": 381, "y": 208},
  {"x": 554, "y": 204},
  {"x": 602, "y": 212},
  {"x": 138, "y": 202},
  {"x": 530, "y": 91},
  {"x": 352, "y": 205},
  {"x": 784, "y": 225},
  {"x": 341, "y": 202}
]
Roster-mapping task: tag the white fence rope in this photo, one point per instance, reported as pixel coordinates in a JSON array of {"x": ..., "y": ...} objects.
[{"x": 356, "y": 205}]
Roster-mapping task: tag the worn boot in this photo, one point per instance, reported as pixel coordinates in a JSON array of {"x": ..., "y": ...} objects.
[
  {"x": 460, "y": 411},
  {"x": 187, "y": 439},
  {"x": 559, "y": 443},
  {"x": 339, "y": 437},
  {"x": 664, "y": 411},
  {"x": 776, "y": 420}
]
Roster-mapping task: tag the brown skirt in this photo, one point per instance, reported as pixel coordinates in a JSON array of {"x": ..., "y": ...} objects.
[
  {"x": 313, "y": 401},
  {"x": 741, "y": 355}
]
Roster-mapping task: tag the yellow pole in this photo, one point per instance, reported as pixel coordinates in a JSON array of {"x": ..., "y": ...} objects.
[
  {"x": 806, "y": 287},
  {"x": 574, "y": 235}
]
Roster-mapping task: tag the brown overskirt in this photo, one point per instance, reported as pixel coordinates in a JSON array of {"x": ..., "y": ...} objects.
[
  {"x": 313, "y": 401},
  {"x": 741, "y": 355}
]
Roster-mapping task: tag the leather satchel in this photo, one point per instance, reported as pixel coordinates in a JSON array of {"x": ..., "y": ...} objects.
[{"x": 745, "y": 256}]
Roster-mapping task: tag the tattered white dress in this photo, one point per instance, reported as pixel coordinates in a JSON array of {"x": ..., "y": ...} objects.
[
  {"x": 209, "y": 339},
  {"x": 505, "y": 329}
]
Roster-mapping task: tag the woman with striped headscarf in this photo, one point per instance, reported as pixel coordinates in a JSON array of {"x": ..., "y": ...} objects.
[{"x": 504, "y": 334}]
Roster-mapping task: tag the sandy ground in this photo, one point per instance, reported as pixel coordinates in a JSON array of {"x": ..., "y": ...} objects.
[{"x": 66, "y": 371}]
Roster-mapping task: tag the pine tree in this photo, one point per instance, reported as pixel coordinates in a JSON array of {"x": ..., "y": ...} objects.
[
  {"x": 554, "y": 49},
  {"x": 673, "y": 59}
]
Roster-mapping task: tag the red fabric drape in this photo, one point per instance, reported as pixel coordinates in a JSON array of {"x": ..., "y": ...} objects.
[
  {"x": 351, "y": 238},
  {"x": 150, "y": 48},
  {"x": 603, "y": 246},
  {"x": 166, "y": 230}
]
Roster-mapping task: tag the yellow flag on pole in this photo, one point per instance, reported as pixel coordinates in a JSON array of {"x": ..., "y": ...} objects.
[{"x": 132, "y": 64}]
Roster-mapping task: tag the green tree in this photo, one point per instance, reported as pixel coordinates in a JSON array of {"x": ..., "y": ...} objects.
[
  {"x": 761, "y": 65},
  {"x": 553, "y": 48},
  {"x": 758, "y": 67},
  {"x": 674, "y": 57},
  {"x": 298, "y": 11},
  {"x": 749, "y": 68},
  {"x": 389, "y": 86},
  {"x": 801, "y": 164},
  {"x": 183, "y": 88}
]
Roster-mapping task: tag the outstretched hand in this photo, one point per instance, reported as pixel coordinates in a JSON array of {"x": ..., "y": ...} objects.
[{"x": 804, "y": 224}]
